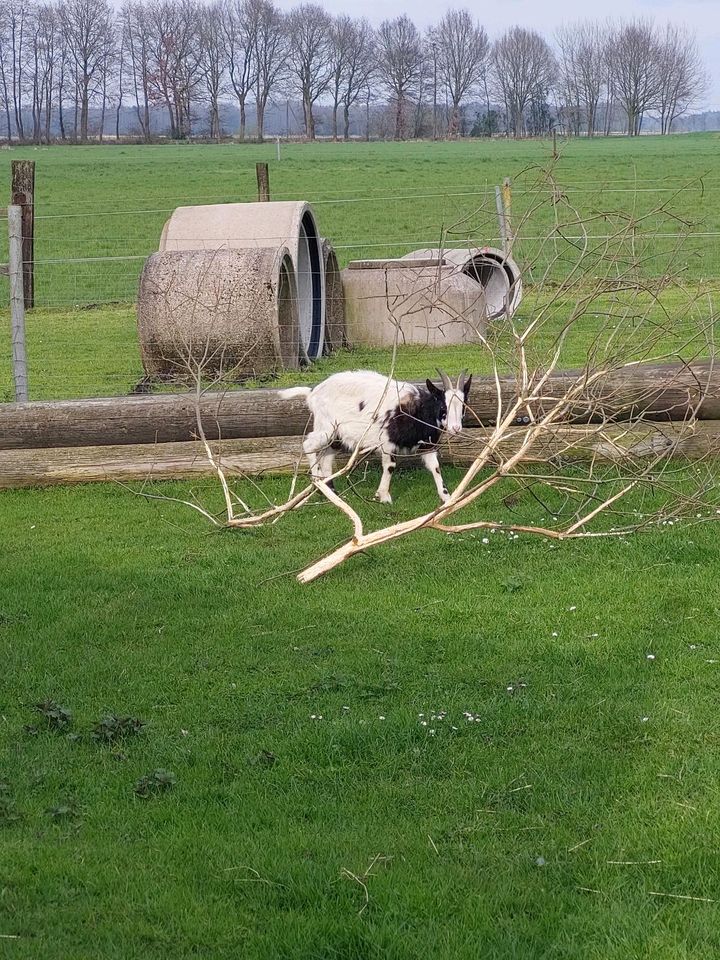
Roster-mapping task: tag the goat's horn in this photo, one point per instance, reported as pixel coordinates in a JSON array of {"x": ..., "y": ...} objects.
[
  {"x": 461, "y": 379},
  {"x": 445, "y": 379}
]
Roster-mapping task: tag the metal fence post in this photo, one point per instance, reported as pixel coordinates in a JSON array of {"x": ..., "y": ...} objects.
[
  {"x": 17, "y": 302},
  {"x": 502, "y": 227}
]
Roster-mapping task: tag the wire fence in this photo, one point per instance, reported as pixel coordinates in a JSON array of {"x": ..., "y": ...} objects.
[{"x": 82, "y": 336}]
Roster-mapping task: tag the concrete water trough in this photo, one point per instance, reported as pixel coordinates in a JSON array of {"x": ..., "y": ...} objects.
[{"x": 419, "y": 301}]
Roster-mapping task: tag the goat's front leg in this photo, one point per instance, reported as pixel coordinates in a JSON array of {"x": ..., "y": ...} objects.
[
  {"x": 433, "y": 465},
  {"x": 388, "y": 466}
]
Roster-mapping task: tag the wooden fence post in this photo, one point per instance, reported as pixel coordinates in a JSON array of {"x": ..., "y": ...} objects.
[
  {"x": 263, "y": 181},
  {"x": 17, "y": 301},
  {"x": 23, "y": 195}
]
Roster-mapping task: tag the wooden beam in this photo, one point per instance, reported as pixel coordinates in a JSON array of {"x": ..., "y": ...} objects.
[
  {"x": 143, "y": 419},
  {"x": 283, "y": 455},
  {"x": 663, "y": 393},
  {"x": 23, "y": 195},
  {"x": 635, "y": 441},
  {"x": 126, "y": 462}
]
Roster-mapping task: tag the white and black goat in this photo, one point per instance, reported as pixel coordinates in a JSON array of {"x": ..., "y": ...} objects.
[{"x": 367, "y": 411}]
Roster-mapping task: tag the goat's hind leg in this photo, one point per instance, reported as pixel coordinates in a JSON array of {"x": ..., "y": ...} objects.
[{"x": 314, "y": 446}]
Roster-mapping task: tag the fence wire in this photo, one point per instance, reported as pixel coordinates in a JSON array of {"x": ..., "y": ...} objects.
[{"x": 82, "y": 335}]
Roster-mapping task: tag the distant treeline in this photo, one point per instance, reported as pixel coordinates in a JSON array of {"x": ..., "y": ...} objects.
[{"x": 77, "y": 70}]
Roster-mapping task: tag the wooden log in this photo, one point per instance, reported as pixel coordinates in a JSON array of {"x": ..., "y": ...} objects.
[
  {"x": 162, "y": 461},
  {"x": 23, "y": 195},
  {"x": 696, "y": 440},
  {"x": 663, "y": 393},
  {"x": 157, "y": 419},
  {"x": 283, "y": 455}
]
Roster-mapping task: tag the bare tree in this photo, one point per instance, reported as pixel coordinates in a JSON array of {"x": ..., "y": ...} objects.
[
  {"x": 240, "y": 26},
  {"x": 121, "y": 64},
  {"x": 212, "y": 63},
  {"x": 633, "y": 54},
  {"x": 87, "y": 27},
  {"x": 106, "y": 76},
  {"x": 270, "y": 52},
  {"x": 400, "y": 64},
  {"x": 342, "y": 40},
  {"x": 681, "y": 75},
  {"x": 462, "y": 50},
  {"x": 523, "y": 69},
  {"x": 137, "y": 39},
  {"x": 5, "y": 72},
  {"x": 311, "y": 57},
  {"x": 175, "y": 60},
  {"x": 64, "y": 75},
  {"x": 582, "y": 72},
  {"x": 15, "y": 41},
  {"x": 360, "y": 69},
  {"x": 44, "y": 38}
]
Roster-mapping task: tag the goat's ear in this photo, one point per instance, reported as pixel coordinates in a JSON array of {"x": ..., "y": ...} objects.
[
  {"x": 432, "y": 388},
  {"x": 466, "y": 387}
]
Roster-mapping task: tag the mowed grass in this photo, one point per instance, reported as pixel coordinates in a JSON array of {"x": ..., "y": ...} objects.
[
  {"x": 546, "y": 826},
  {"x": 333, "y": 800}
]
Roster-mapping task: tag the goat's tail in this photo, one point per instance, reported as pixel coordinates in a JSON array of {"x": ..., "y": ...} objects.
[{"x": 295, "y": 392}]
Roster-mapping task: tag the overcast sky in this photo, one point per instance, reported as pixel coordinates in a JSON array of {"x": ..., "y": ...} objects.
[{"x": 702, "y": 16}]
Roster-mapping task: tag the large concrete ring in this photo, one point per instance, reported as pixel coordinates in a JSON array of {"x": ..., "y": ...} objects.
[
  {"x": 229, "y": 314},
  {"x": 271, "y": 225}
]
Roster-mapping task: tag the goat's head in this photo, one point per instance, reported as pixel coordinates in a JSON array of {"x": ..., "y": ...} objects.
[{"x": 454, "y": 399}]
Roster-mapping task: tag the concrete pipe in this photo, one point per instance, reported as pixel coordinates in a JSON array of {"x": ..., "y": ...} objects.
[
  {"x": 419, "y": 302},
  {"x": 218, "y": 313},
  {"x": 498, "y": 274},
  {"x": 272, "y": 225},
  {"x": 335, "y": 333}
]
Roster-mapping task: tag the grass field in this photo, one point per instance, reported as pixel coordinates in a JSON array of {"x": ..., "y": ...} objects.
[
  {"x": 545, "y": 827},
  {"x": 446, "y": 749}
]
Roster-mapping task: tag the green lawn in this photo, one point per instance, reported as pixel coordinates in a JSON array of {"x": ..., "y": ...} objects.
[
  {"x": 504, "y": 836},
  {"x": 332, "y": 800}
]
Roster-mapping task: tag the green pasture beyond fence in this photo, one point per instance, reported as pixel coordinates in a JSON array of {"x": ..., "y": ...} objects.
[
  {"x": 652, "y": 206},
  {"x": 638, "y": 209}
]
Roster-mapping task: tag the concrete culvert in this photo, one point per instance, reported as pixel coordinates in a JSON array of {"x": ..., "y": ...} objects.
[
  {"x": 418, "y": 301},
  {"x": 218, "y": 313},
  {"x": 335, "y": 332},
  {"x": 498, "y": 274},
  {"x": 271, "y": 225}
]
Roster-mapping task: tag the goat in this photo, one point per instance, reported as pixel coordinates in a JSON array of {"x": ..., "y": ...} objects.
[{"x": 370, "y": 412}]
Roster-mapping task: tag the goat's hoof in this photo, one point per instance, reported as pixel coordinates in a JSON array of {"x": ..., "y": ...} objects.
[{"x": 383, "y": 498}]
